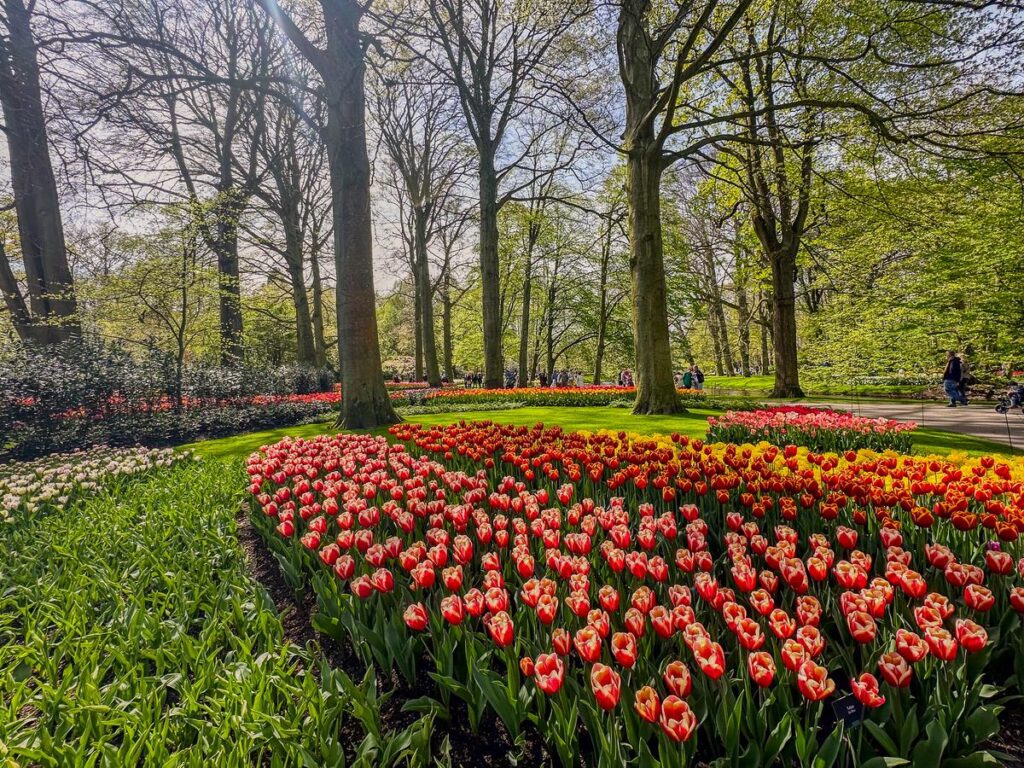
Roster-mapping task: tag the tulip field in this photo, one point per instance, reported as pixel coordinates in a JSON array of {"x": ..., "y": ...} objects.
[
  {"x": 664, "y": 601},
  {"x": 459, "y": 593}
]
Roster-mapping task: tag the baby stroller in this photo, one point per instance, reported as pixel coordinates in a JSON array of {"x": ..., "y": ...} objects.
[{"x": 1012, "y": 400}]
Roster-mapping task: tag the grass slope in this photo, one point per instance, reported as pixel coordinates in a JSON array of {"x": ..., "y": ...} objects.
[{"x": 693, "y": 423}]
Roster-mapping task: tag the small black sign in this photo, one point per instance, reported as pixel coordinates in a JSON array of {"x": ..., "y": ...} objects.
[{"x": 849, "y": 710}]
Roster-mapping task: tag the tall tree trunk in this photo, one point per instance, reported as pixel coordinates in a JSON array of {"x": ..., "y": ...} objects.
[
  {"x": 743, "y": 318},
  {"x": 493, "y": 358},
  {"x": 656, "y": 392},
  {"x": 765, "y": 325},
  {"x": 15, "y": 302},
  {"x": 317, "y": 313},
  {"x": 524, "y": 326},
  {"x": 365, "y": 402},
  {"x": 524, "y": 322},
  {"x": 417, "y": 327},
  {"x": 51, "y": 295},
  {"x": 602, "y": 312},
  {"x": 716, "y": 342},
  {"x": 549, "y": 326},
  {"x": 225, "y": 246},
  {"x": 723, "y": 334},
  {"x": 428, "y": 339},
  {"x": 305, "y": 350},
  {"x": 446, "y": 326},
  {"x": 787, "y": 377}
]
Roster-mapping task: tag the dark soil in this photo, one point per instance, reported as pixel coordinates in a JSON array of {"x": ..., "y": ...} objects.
[
  {"x": 492, "y": 747},
  {"x": 1010, "y": 740}
]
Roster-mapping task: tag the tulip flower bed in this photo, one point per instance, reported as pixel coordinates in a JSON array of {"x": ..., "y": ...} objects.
[
  {"x": 54, "y": 481},
  {"x": 674, "y": 600},
  {"x": 551, "y": 396},
  {"x": 819, "y": 429}
]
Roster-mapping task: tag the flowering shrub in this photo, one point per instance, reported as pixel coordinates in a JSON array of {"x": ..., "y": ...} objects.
[
  {"x": 549, "y": 396},
  {"x": 678, "y": 600},
  {"x": 29, "y": 487},
  {"x": 819, "y": 429},
  {"x": 59, "y": 398}
]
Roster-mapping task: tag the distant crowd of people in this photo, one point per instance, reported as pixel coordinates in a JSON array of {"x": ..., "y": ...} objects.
[{"x": 691, "y": 378}]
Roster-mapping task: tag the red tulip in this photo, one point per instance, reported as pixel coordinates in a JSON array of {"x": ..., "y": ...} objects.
[
  {"x": 972, "y": 636},
  {"x": 452, "y": 609},
  {"x": 910, "y": 646},
  {"x": 761, "y": 668},
  {"x": 813, "y": 681},
  {"x": 677, "y": 679},
  {"x": 474, "y": 602},
  {"x": 941, "y": 644},
  {"x": 647, "y": 704},
  {"x": 416, "y": 617},
  {"x": 549, "y": 672},
  {"x": 547, "y": 609},
  {"x": 749, "y": 633},
  {"x": 588, "y": 644},
  {"x": 979, "y": 598},
  {"x": 561, "y": 641},
  {"x": 634, "y": 622},
  {"x": 1000, "y": 563},
  {"x": 781, "y": 624},
  {"x": 710, "y": 657},
  {"x": 1017, "y": 599},
  {"x": 609, "y": 598},
  {"x": 661, "y": 620},
  {"x": 793, "y": 655},
  {"x": 862, "y": 626},
  {"x": 811, "y": 639},
  {"x": 865, "y": 688},
  {"x": 624, "y": 648},
  {"x": 361, "y": 587},
  {"x": 895, "y": 670},
  {"x": 677, "y": 719},
  {"x": 501, "y": 629},
  {"x": 607, "y": 686}
]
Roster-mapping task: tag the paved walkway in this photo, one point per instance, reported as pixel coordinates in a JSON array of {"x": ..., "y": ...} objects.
[{"x": 976, "y": 420}]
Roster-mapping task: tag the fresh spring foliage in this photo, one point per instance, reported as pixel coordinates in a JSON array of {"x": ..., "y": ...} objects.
[{"x": 131, "y": 634}]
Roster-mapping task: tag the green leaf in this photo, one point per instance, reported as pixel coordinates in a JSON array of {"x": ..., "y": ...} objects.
[
  {"x": 929, "y": 751},
  {"x": 884, "y": 762},
  {"x": 975, "y": 760},
  {"x": 497, "y": 696},
  {"x": 883, "y": 738},
  {"x": 983, "y": 723},
  {"x": 830, "y": 748}
]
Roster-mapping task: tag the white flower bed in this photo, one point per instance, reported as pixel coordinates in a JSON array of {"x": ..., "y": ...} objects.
[{"x": 28, "y": 487}]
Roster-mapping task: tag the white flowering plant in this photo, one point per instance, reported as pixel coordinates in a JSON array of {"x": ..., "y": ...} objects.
[{"x": 52, "y": 482}]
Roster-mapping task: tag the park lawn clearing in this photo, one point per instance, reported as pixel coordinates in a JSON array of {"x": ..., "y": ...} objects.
[
  {"x": 692, "y": 424},
  {"x": 761, "y": 386}
]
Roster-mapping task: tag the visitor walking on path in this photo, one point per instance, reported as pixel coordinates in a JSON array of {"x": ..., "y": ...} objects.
[
  {"x": 698, "y": 377},
  {"x": 952, "y": 378}
]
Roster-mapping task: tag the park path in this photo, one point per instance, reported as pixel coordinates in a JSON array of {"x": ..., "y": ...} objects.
[{"x": 975, "y": 420}]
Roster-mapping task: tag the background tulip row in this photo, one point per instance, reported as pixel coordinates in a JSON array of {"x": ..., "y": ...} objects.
[
  {"x": 817, "y": 429},
  {"x": 755, "y": 606}
]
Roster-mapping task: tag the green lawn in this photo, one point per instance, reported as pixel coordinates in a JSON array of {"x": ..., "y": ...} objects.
[
  {"x": 761, "y": 386},
  {"x": 693, "y": 423}
]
